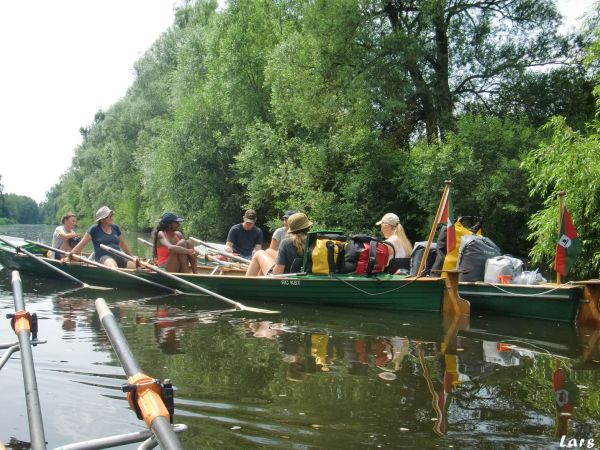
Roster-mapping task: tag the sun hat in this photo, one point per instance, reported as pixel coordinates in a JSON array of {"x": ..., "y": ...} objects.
[
  {"x": 170, "y": 217},
  {"x": 298, "y": 222},
  {"x": 103, "y": 213},
  {"x": 389, "y": 218},
  {"x": 287, "y": 214},
  {"x": 250, "y": 216}
]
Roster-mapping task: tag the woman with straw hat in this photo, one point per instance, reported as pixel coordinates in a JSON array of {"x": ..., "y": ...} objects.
[
  {"x": 109, "y": 234},
  {"x": 290, "y": 250}
]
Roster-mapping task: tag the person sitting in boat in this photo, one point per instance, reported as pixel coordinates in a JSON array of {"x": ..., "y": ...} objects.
[
  {"x": 279, "y": 235},
  {"x": 393, "y": 232},
  {"x": 290, "y": 251},
  {"x": 245, "y": 238},
  {"x": 64, "y": 236},
  {"x": 105, "y": 232},
  {"x": 171, "y": 251}
]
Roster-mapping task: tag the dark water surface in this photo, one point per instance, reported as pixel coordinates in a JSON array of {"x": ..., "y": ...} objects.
[{"x": 306, "y": 378}]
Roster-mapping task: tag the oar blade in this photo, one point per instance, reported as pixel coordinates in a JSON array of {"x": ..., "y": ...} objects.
[
  {"x": 259, "y": 310},
  {"x": 97, "y": 288}
]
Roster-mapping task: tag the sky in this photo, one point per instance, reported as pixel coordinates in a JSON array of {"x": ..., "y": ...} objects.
[{"x": 62, "y": 61}]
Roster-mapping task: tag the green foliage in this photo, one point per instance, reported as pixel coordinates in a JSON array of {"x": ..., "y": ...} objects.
[
  {"x": 21, "y": 209},
  {"x": 567, "y": 161},
  {"x": 482, "y": 160},
  {"x": 344, "y": 109}
]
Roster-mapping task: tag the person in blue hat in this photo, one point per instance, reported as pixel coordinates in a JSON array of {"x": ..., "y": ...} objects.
[
  {"x": 279, "y": 234},
  {"x": 171, "y": 250}
]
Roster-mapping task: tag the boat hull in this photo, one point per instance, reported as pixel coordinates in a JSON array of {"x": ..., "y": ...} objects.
[
  {"x": 547, "y": 301},
  {"x": 386, "y": 292}
]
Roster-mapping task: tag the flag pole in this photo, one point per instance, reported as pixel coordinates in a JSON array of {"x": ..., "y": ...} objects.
[
  {"x": 434, "y": 226},
  {"x": 561, "y": 202}
]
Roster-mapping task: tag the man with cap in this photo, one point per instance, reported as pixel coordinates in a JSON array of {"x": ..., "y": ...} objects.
[
  {"x": 243, "y": 238},
  {"x": 109, "y": 234},
  {"x": 171, "y": 251}
]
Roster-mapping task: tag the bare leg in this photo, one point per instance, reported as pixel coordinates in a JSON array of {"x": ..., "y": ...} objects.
[
  {"x": 261, "y": 264},
  {"x": 192, "y": 260},
  {"x": 254, "y": 267},
  {"x": 110, "y": 263}
]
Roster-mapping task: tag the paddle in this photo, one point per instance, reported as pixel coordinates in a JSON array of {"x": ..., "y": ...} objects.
[
  {"x": 164, "y": 273},
  {"x": 102, "y": 266},
  {"x": 56, "y": 269},
  {"x": 221, "y": 252}
]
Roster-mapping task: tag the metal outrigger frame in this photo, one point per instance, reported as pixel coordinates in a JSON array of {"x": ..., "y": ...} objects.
[{"x": 149, "y": 398}]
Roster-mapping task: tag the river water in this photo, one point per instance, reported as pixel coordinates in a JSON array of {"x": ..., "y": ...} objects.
[{"x": 308, "y": 377}]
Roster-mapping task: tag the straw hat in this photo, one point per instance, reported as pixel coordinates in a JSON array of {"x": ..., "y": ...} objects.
[
  {"x": 103, "y": 213},
  {"x": 298, "y": 222}
]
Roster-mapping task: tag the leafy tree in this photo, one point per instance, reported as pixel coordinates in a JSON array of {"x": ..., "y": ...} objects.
[
  {"x": 21, "y": 209},
  {"x": 482, "y": 158},
  {"x": 567, "y": 161}
]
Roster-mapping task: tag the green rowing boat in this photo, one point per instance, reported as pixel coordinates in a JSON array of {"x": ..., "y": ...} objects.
[
  {"x": 390, "y": 292},
  {"x": 569, "y": 303}
]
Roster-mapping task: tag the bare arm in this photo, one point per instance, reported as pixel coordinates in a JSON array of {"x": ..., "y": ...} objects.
[
  {"x": 164, "y": 241},
  {"x": 82, "y": 243},
  {"x": 229, "y": 246},
  {"x": 70, "y": 235},
  {"x": 274, "y": 245},
  {"x": 124, "y": 246},
  {"x": 278, "y": 269}
]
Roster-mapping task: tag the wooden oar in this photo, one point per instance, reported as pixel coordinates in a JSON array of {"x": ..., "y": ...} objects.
[
  {"x": 102, "y": 266},
  {"x": 237, "y": 305},
  {"x": 56, "y": 269},
  {"x": 221, "y": 252}
]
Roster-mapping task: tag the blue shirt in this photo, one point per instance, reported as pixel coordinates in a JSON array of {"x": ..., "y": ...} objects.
[
  {"x": 244, "y": 241},
  {"x": 100, "y": 237}
]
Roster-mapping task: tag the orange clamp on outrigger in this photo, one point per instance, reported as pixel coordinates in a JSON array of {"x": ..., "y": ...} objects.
[
  {"x": 20, "y": 321},
  {"x": 149, "y": 398}
]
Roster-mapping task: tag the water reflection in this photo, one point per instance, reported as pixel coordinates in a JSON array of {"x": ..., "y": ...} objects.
[{"x": 310, "y": 377}]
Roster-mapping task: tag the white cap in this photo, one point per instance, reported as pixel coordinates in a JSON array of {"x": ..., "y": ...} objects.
[
  {"x": 103, "y": 213},
  {"x": 389, "y": 218}
]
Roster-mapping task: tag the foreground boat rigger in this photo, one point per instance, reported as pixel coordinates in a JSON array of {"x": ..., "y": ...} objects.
[{"x": 385, "y": 292}]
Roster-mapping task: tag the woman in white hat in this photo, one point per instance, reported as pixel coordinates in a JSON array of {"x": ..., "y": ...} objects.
[
  {"x": 290, "y": 250},
  {"x": 105, "y": 232},
  {"x": 394, "y": 234}
]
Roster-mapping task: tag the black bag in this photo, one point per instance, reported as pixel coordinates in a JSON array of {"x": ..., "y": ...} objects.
[
  {"x": 417, "y": 255},
  {"x": 474, "y": 251}
]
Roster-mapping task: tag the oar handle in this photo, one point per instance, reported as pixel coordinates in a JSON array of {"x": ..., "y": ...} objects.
[
  {"x": 150, "y": 403},
  {"x": 221, "y": 252},
  {"x": 102, "y": 266}
]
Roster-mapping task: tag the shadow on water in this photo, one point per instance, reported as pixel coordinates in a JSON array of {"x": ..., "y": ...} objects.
[{"x": 309, "y": 377}]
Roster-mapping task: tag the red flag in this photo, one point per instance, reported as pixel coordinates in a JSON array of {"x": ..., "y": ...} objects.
[
  {"x": 568, "y": 246},
  {"x": 448, "y": 218}
]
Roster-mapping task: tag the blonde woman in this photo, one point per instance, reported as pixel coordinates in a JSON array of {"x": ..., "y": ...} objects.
[{"x": 394, "y": 235}]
